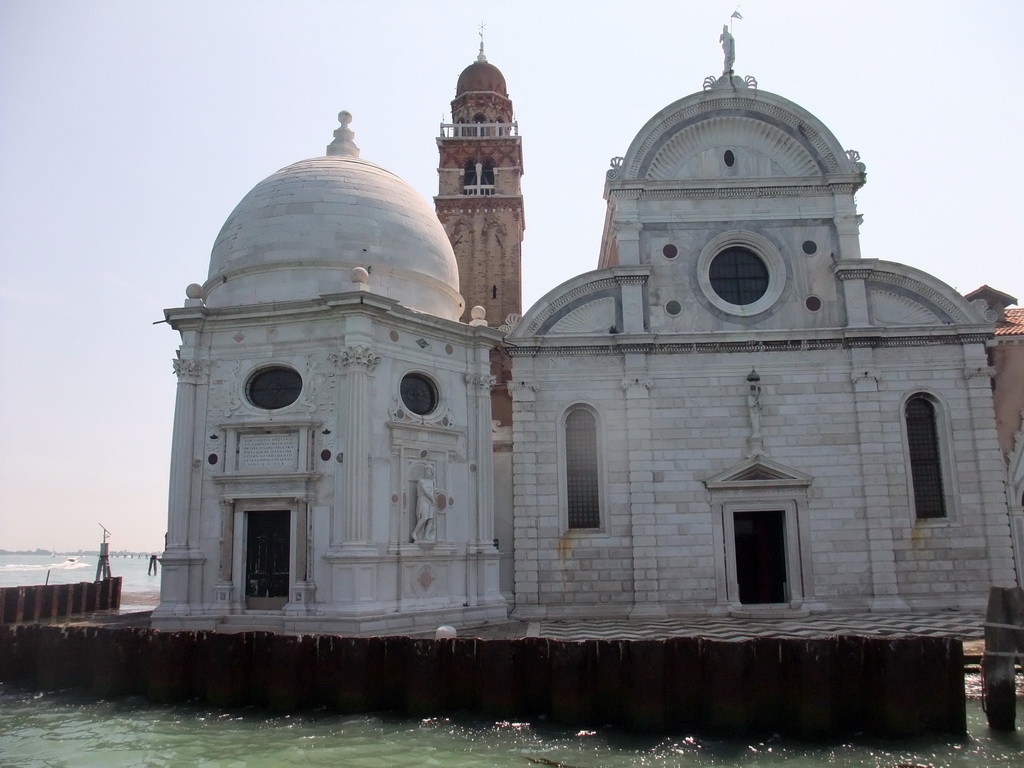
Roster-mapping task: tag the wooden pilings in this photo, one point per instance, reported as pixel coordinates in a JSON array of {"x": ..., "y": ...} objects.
[
  {"x": 50, "y": 601},
  {"x": 820, "y": 688},
  {"x": 1004, "y": 642}
]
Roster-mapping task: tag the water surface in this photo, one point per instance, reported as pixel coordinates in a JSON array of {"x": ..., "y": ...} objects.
[{"x": 64, "y": 729}]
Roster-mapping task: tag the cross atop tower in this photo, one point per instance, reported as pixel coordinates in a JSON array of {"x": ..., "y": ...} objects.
[{"x": 480, "y": 56}]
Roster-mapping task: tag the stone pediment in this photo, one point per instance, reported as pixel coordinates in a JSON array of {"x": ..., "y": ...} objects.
[{"x": 758, "y": 472}]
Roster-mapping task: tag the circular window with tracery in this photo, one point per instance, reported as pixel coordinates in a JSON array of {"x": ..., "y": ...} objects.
[
  {"x": 739, "y": 276},
  {"x": 419, "y": 394},
  {"x": 273, "y": 388},
  {"x": 741, "y": 273}
]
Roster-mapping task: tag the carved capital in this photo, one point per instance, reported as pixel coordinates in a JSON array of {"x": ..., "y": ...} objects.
[
  {"x": 355, "y": 357},
  {"x": 860, "y": 273},
  {"x": 191, "y": 371},
  {"x": 859, "y": 376},
  {"x": 634, "y": 385},
  {"x": 522, "y": 390},
  {"x": 985, "y": 372},
  {"x": 482, "y": 382}
]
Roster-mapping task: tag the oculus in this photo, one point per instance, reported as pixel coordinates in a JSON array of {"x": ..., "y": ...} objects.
[
  {"x": 418, "y": 393},
  {"x": 273, "y": 388},
  {"x": 741, "y": 273},
  {"x": 738, "y": 276}
]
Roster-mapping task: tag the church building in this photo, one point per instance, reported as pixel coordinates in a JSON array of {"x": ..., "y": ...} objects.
[{"x": 736, "y": 413}]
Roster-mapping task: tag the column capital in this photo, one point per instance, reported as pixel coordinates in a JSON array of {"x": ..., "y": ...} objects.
[
  {"x": 191, "y": 371},
  {"x": 481, "y": 382},
  {"x": 359, "y": 356}
]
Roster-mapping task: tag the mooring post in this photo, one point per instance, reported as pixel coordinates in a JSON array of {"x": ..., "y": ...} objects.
[{"x": 1004, "y": 639}]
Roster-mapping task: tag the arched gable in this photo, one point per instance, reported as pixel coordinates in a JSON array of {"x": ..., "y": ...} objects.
[
  {"x": 900, "y": 295},
  {"x": 791, "y": 141},
  {"x": 589, "y": 304}
]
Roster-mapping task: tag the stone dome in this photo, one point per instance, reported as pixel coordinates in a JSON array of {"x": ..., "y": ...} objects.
[
  {"x": 481, "y": 76},
  {"x": 300, "y": 232}
]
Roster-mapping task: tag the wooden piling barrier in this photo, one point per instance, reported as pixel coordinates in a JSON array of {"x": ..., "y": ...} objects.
[
  {"x": 424, "y": 681},
  {"x": 904, "y": 686},
  {"x": 532, "y": 664},
  {"x": 687, "y": 694},
  {"x": 460, "y": 670},
  {"x": 644, "y": 689},
  {"x": 49, "y": 601},
  {"x": 727, "y": 665},
  {"x": 608, "y": 688},
  {"x": 1004, "y": 642},
  {"x": 497, "y": 678},
  {"x": 570, "y": 674}
]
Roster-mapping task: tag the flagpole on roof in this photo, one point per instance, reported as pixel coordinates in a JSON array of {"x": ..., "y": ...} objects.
[{"x": 735, "y": 15}]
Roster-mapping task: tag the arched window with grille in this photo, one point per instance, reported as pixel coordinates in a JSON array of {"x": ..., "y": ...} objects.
[
  {"x": 925, "y": 453},
  {"x": 582, "y": 480}
]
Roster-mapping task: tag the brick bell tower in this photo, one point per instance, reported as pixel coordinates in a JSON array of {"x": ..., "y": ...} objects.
[{"x": 480, "y": 204}]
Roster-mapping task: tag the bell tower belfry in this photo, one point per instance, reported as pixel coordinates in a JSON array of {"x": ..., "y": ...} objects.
[{"x": 479, "y": 199}]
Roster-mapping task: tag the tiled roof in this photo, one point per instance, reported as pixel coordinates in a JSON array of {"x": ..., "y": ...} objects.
[{"x": 1013, "y": 325}]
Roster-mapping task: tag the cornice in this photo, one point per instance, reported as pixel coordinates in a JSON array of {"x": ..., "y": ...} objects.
[
  {"x": 875, "y": 341},
  {"x": 720, "y": 193}
]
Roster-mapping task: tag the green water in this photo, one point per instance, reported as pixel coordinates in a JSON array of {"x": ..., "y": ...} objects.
[{"x": 62, "y": 729}]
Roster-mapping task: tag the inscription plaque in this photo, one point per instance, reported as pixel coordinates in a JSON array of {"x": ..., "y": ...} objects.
[{"x": 275, "y": 451}]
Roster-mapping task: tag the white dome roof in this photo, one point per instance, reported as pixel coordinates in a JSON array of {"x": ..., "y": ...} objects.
[{"x": 299, "y": 233}]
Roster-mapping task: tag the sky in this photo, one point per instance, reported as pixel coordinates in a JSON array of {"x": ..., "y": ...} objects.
[{"x": 129, "y": 131}]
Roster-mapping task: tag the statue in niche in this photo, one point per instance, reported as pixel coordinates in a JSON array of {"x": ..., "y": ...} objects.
[
  {"x": 728, "y": 48},
  {"x": 426, "y": 505},
  {"x": 754, "y": 407}
]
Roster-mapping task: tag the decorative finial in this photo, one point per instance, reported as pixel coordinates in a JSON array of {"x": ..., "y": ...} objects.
[
  {"x": 343, "y": 145},
  {"x": 480, "y": 56},
  {"x": 360, "y": 277},
  {"x": 478, "y": 315}
]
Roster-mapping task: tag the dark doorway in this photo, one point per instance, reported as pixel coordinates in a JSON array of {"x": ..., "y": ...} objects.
[
  {"x": 266, "y": 559},
  {"x": 761, "y": 556}
]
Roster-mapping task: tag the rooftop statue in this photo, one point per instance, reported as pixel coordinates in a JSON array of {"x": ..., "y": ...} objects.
[{"x": 728, "y": 47}]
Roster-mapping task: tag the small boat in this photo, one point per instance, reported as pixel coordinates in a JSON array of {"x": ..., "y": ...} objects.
[{"x": 71, "y": 560}]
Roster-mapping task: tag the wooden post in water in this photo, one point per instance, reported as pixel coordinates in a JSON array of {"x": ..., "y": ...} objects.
[{"x": 1004, "y": 641}]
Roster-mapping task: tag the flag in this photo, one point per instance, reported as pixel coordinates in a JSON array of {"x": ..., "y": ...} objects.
[{"x": 736, "y": 15}]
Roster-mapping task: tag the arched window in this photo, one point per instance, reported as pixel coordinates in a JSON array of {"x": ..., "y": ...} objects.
[
  {"x": 469, "y": 178},
  {"x": 487, "y": 176},
  {"x": 581, "y": 471},
  {"x": 925, "y": 458}
]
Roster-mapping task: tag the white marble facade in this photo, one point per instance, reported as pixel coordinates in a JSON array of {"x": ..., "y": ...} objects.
[
  {"x": 717, "y": 420},
  {"x": 331, "y": 464},
  {"x": 749, "y": 429}
]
